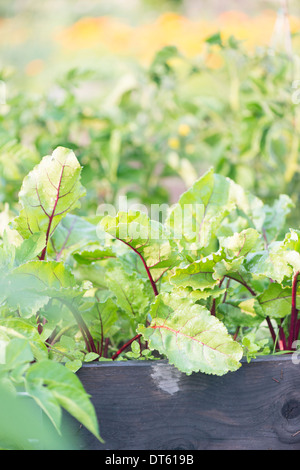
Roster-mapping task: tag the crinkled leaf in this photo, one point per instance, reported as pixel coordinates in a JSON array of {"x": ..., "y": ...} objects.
[
  {"x": 240, "y": 244},
  {"x": 94, "y": 252},
  {"x": 271, "y": 263},
  {"x": 199, "y": 274},
  {"x": 233, "y": 269},
  {"x": 104, "y": 312},
  {"x": 292, "y": 240},
  {"x": 198, "y": 294},
  {"x": 191, "y": 338}
]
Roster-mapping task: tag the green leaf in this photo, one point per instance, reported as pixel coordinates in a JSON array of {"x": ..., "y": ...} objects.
[
  {"x": 200, "y": 210},
  {"x": 31, "y": 285},
  {"x": 64, "y": 388},
  {"x": 73, "y": 365},
  {"x": 94, "y": 252},
  {"x": 89, "y": 357},
  {"x": 191, "y": 338},
  {"x": 23, "y": 330},
  {"x": 133, "y": 295},
  {"x": 198, "y": 294},
  {"x": 18, "y": 351},
  {"x": 46, "y": 401},
  {"x": 214, "y": 39},
  {"x": 271, "y": 263},
  {"x": 30, "y": 248},
  {"x": 21, "y": 426},
  {"x": 234, "y": 269},
  {"x": 276, "y": 301},
  {"x": 275, "y": 217},
  {"x": 199, "y": 274},
  {"x": 149, "y": 238},
  {"x": 238, "y": 313},
  {"x": 71, "y": 235},
  {"x": 240, "y": 244},
  {"x": 15, "y": 160},
  {"x": 48, "y": 193}
]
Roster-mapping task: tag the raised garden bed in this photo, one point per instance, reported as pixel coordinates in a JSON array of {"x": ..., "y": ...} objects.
[{"x": 150, "y": 405}]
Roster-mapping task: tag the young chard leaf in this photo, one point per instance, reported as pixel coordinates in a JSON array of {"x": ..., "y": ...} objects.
[
  {"x": 149, "y": 239},
  {"x": 48, "y": 193},
  {"x": 240, "y": 244},
  {"x": 200, "y": 274},
  {"x": 200, "y": 210}
]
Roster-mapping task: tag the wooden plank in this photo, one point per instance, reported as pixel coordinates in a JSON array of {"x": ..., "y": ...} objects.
[{"x": 152, "y": 406}]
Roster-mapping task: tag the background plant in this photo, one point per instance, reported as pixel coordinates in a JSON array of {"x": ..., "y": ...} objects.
[{"x": 153, "y": 132}]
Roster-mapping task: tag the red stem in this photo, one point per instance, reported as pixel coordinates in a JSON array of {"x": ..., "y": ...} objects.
[
  {"x": 297, "y": 329},
  {"x": 88, "y": 339},
  {"x": 125, "y": 346},
  {"x": 294, "y": 313},
  {"x": 213, "y": 308},
  {"x": 236, "y": 333},
  {"x": 243, "y": 284},
  {"x": 106, "y": 344},
  {"x": 282, "y": 339},
  {"x": 51, "y": 217},
  {"x": 271, "y": 329},
  {"x": 145, "y": 265}
]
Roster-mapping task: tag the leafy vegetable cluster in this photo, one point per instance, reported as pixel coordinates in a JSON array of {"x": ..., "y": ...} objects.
[{"x": 216, "y": 280}]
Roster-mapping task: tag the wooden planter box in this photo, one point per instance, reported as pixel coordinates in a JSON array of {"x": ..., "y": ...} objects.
[{"x": 152, "y": 406}]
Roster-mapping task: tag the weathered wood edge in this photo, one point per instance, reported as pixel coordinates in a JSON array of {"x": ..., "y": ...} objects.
[
  {"x": 254, "y": 408},
  {"x": 149, "y": 363}
]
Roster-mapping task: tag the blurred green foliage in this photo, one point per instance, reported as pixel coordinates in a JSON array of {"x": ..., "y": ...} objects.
[
  {"x": 151, "y": 132},
  {"x": 23, "y": 426}
]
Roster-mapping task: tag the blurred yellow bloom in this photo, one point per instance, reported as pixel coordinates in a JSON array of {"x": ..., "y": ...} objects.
[
  {"x": 93, "y": 32},
  {"x": 190, "y": 149},
  {"x": 188, "y": 35},
  {"x": 173, "y": 143},
  {"x": 184, "y": 130}
]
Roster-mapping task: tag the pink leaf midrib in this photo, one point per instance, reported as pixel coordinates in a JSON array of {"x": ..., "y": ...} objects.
[{"x": 51, "y": 217}]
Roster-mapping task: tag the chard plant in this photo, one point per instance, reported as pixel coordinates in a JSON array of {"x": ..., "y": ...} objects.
[{"x": 214, "y": 281}]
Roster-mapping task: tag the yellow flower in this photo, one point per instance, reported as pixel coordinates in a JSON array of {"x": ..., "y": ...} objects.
[
  {"x": 184, "y": 130},
  {"x": 173, "y": 143},
  {"x": 189, "y": 149}
]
